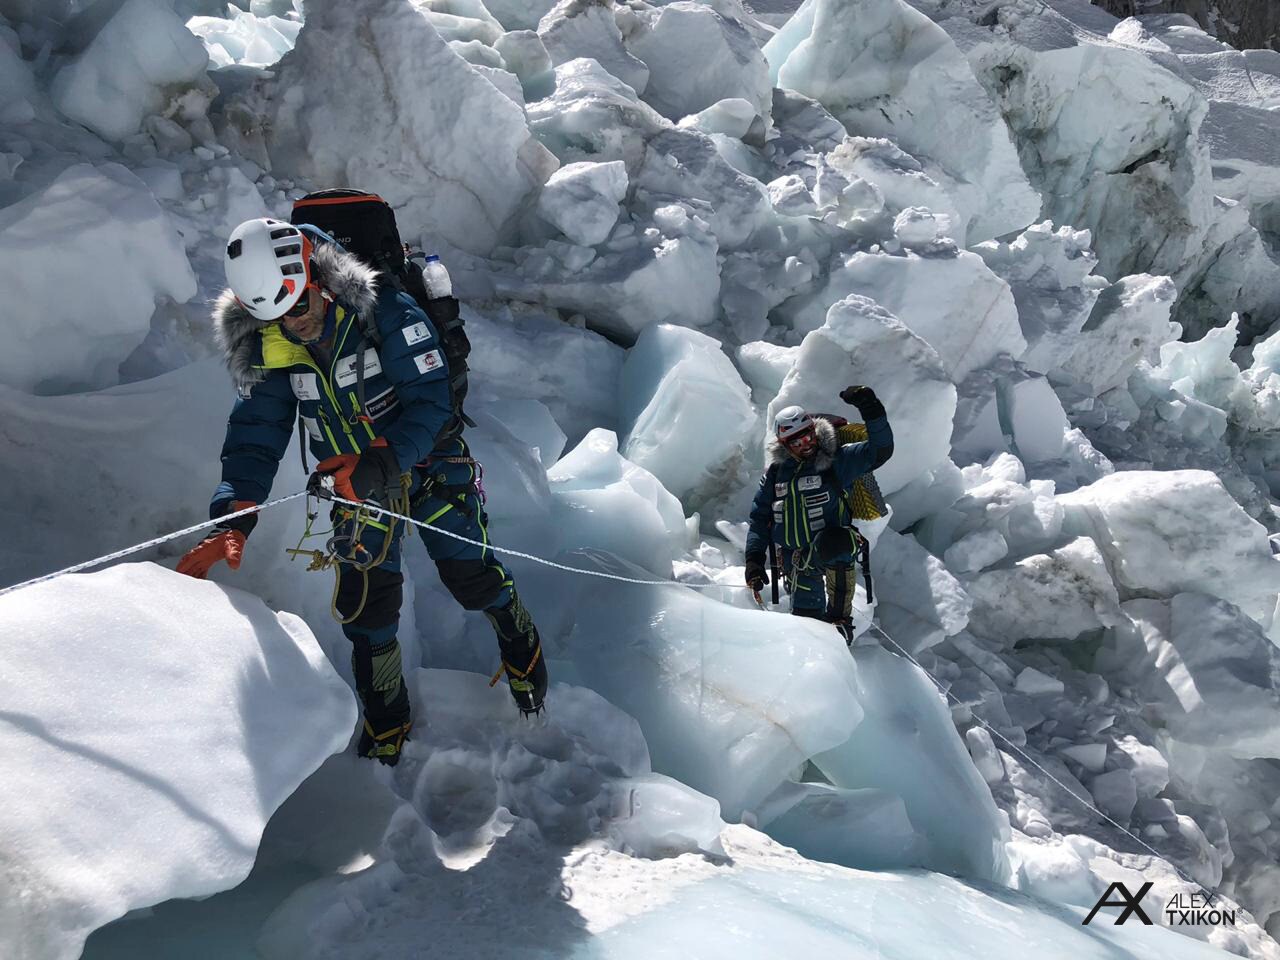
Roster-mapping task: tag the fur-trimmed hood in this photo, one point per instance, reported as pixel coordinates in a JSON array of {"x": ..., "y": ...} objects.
[
  {"x": 236, "y": 330},
  {"x": 775, "y": 452}
]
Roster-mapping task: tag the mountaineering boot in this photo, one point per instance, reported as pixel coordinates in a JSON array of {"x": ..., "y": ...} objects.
[
  {"x": 385, "y": 699},
  {"x": 845, "y": 627},
  {"x": 521, "y": 650}
]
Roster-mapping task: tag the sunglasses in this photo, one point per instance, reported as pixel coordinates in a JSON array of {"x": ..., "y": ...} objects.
[{"x": 300, "y": 308}]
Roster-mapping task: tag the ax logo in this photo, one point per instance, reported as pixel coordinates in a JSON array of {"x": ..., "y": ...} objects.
[{"x": 1131, "y": 904}]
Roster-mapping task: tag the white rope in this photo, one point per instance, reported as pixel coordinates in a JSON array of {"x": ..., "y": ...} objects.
[
  {"x": 186, "y": 531},
  {"x": 1024, "y": 756},
  {"x": 137, "y": 548},
  {"x": 375, "y": 512}
]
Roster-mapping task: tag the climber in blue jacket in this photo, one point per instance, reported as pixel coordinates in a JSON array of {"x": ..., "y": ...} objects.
[{"x": 290, "y": 328}]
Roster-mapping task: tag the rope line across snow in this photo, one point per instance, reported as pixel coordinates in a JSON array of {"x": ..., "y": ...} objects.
[{"x": 946, "y": 693}]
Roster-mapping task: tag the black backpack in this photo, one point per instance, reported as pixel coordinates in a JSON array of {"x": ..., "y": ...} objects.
[{"x": 365, "y": 225}]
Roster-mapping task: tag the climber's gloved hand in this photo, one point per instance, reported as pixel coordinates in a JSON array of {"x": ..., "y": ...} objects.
[
  {"x": 756, "y": 576},
  {"x": 366, "y": 476},
  {"x": 865, "y": 399},
  {"x": 225, "y": 543}
]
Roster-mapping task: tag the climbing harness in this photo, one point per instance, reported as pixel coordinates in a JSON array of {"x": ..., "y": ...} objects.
[{"x": 344, "y": 546}]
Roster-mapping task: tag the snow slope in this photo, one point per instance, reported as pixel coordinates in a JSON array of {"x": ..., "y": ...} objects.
[{"x": 151, "y": 774}]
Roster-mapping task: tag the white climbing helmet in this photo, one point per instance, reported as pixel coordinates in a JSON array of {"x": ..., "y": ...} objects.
[
  {"x": 266, "y": 264},
  {"x": 791, "y": 422}
]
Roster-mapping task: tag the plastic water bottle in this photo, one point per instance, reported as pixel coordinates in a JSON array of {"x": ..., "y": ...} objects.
[{"x": 436, "y": 278}]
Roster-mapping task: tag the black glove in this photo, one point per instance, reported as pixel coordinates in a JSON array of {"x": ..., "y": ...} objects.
[
  {"x": 367, "y": 476},
  {"x": 756, "y": 576},
  {"x": 376, "y": 475},
  {"x": 865, "y": 399}
]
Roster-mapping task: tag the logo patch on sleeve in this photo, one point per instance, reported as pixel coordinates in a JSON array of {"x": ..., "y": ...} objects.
[
  {"x": 431, "y": 360},
  {"x": 304, "y": 386},
  {"x": 416, "y": 334}
]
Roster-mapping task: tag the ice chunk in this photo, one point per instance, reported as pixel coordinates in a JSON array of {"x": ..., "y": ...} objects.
[
  {"x": 245, "y": 39},
  {"x": 861, "y": 342},
  {"x": 1057, "y": 595},
  {"x": 1143, "y": 188},
  {"x": 1035, "y": 418},
  {"x": 687, "y": 414},
  {"x": 867, "y": 829},
  {"x": 920, "y": 603},
  {"x": 606, "y": 502},
  {"x": 1128, "y": 323},
  {"x": 587, "y": 28},
  {"x": 962, "y": 309},
  {"x": 73, "y": 336},
  {"x": 529, "y": 354},
  {"x": 1091, "y": 756},
  {"x": 984, "y": 753},
  {"x": 525, "y": 56},
  {"x": 1115, "y": 794},
  {"x": 907, "y": 745},
  {"x": 899, "y": 181},
  {"x": 519, "y": 14},
  {"x": 121, "y": 809},
  {"x": 765, "y": 365},
  {"x": 594, "y": 116},
  {"x": 141, "y": 57},
  {"x": 438, "y": 142},
  {"x": 685, "y": 163},
  {"x": 669, "y": 274},
  {"x": 1147, "y": 764},
  {"x": 733, "y": 117},
  {"x": 1212, "y": 673},
  {"x": 1147, "y": 524},
  {"x": 730, "y": 700},
  {"x": 730, "y": 63},
  {"x": 1049, "y": 273},
  {"x": 1036, "y": 684},
  {"x": 918, "y": 228},
  {"x": 976, "y": 551},
  {"x": 886, "y": 70},
  {"x": 581, "y": 200}
]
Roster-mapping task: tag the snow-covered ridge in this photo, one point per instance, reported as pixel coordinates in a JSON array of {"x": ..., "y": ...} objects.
[{"x": 1002, "y": 220}]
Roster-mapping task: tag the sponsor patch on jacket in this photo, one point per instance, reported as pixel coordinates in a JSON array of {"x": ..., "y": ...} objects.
[
  {"x": 416, "y": 334},
  {"x": 779, "y": 489},
  {"x": 382, "y": 403},
  {"x": 809, "y": 483},
  {"x": 344, "y": 373},
  {"x": 431, "y": 360},
  {"x": 817, "y": 499},
  {"x": 313, "y": 428},
  {"x": 244, "y": 390},
  {"x": 304, "y": 386}
]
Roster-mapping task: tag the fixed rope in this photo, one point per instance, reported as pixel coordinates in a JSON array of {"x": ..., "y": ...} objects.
[
  {"x": 374, "y": 512},
  {"x": 947, "y": 694},
  {"x": 945, "y": 691},
  {"x": 139, "y": 547}
]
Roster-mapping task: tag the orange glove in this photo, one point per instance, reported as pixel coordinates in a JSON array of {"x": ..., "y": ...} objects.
[
  {"x": 340, "y": 468},
  {"x": 366, "y": 476},
  {"x": 223, "y": 544},
  {"x": 227, "y": 545}
]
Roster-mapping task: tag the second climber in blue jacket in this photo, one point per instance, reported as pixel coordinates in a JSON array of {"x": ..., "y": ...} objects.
[
  {"x": 289, "y": 327},
  {"x": 803, "y": 505}
]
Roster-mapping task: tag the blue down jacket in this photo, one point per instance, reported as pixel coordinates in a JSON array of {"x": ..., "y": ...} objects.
[
  {"x": 798, "y": 500},
  {"x": 406, "y": 380}
]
